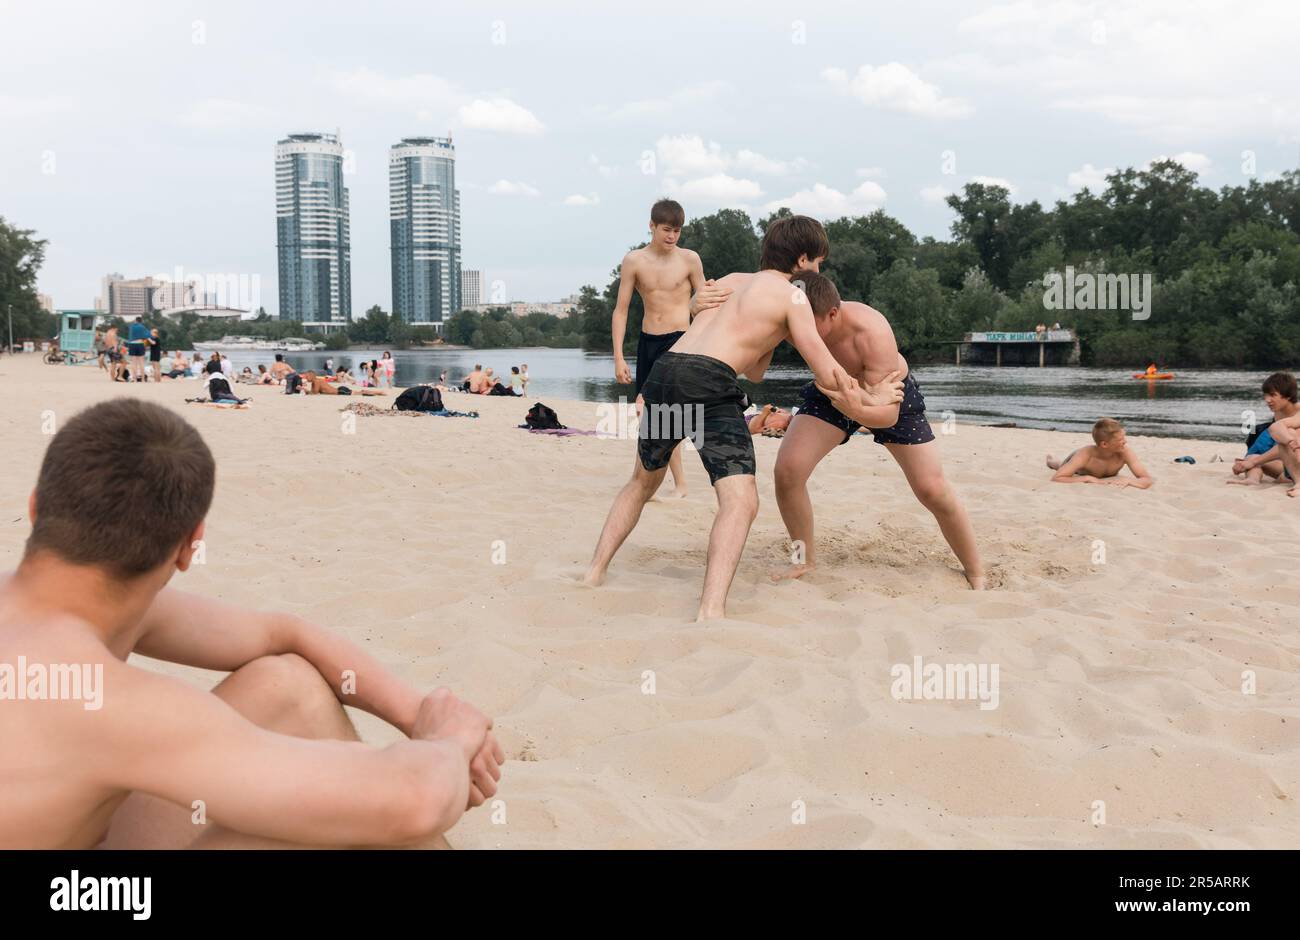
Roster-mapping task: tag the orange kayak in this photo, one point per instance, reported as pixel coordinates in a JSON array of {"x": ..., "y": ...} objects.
[{"x": 1153, "y": 375}]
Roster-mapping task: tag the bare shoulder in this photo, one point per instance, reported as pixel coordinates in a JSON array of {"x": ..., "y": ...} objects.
[{"x": 735, "y": 280}]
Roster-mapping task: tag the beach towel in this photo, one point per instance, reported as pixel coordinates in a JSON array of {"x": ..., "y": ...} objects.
[{"x": 561, "y": 432}]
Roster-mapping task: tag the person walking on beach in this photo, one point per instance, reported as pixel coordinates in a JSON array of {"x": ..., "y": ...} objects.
[
  {"x": 155, "y": 354},
  {"x": 523, "y": 378},
  {"x": 389, "y": 365},
  {"x": 137, "y": 337}
]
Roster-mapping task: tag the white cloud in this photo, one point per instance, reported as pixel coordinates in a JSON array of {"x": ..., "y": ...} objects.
[
  {"x": 895, "y": 87},
  {"x": 823, "y": 202},
  {"x": 509, "y": 188},
  {"x": 1196, "y": 162},
  {"x": 499, "y": 114},
  {"x": 718, "y": 188},
  {"x": 757, "y": 163},
  {"x": 431, "y": 97},
  {"x": 935, "y": 195},
  {"x": 1089, "y": 176},
  {"x": 690, "y": 155},
  {"x": 578, "y": 199},
  {"x": 1006, "y": 184},
  {"x": 669, "y": 104}
]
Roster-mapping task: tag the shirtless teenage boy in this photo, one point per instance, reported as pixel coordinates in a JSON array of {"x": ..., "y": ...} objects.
[
  {"x": 1264, "y": 457},
  {"x": 862, "y": 342},
  {"x": 665, "y": 276},
  {"x": 693, "y": 391},
  {"x": 123, "y": 752},
  {"x": 1102, "y": 460}
]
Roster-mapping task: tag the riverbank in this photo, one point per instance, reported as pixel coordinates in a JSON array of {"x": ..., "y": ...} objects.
[{"x": 1126, "y": 626}]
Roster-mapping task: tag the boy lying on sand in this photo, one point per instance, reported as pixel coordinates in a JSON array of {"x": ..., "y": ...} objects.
[
  {"x": 100, "y": 751},
  {"x": 770, "y": 420},
  {"x": 1101, "y": 461}
]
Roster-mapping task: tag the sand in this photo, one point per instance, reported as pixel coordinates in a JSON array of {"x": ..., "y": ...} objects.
[{"x": 1120, "y": 682}]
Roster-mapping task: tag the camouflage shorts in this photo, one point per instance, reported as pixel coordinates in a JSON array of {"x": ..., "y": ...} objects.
[{"x": 696, "y": 397}]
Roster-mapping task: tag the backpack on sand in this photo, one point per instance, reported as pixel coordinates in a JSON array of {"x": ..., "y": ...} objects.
[
  {"x": 420, "y": 398},
  {"x": 541, "y": 418}
]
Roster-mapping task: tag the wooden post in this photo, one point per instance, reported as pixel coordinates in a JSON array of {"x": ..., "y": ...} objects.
[
  {"x": 998, "y": 347},
  {"x": 959, "y": 354},
  {"x": 1042, "y": 349}
]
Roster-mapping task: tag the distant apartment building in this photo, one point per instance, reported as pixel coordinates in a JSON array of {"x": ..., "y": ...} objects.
[
  {"x": 129, "y": 298},
  {"x": 313, "y": 243},
  {"x": 424, "y": 224},
  {"x": 46, "y": 302},
  {"x": 471, "y": 289}
]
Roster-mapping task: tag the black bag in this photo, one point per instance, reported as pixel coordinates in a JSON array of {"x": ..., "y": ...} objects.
[
  {"x": 541, "y": 418},
  {"x": 292, "y": 383},
  {"x": 420, "y": 398}
]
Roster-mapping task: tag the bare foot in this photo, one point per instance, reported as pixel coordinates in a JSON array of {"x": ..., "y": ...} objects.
[
  {"x": 1243, "y": 481},
  {"x": 792, "y": 572},
  {"x": 1293, "y": 492},
  {"x": 594, "y": 578},
  {"x": 679, "y": 492},
  {"x": 1053, "y": 463},
  {"x": 976, "y": 581},
  {"x": 704, "y": 615}
]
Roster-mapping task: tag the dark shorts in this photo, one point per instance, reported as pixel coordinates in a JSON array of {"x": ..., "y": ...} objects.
[
  {"x": 135, "y": 350},
  {"x": 648, "y": 350},
  {"x": 911, "y": 427},
  {"x": 693, "y": 396}
]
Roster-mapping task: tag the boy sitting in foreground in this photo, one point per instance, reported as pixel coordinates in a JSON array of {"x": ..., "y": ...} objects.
[{"x": 101, "y": 752}]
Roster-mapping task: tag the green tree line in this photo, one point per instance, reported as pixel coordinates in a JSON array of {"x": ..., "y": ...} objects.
[{"x": 1225, "y": 267}]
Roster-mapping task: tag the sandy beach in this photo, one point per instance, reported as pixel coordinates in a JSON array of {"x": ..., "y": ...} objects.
[{"x": 452, "y": 547}]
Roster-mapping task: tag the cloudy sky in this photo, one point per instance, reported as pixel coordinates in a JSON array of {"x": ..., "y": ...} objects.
[{"x": 139, "y": 136}]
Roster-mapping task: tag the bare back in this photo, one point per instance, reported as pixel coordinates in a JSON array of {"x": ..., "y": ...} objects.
[
  {"x": 45, "y": 806},
  {"x": 748, "y": 325}
]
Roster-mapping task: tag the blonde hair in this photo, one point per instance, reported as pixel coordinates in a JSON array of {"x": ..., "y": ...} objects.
[{"x": 1105, "y": 430}]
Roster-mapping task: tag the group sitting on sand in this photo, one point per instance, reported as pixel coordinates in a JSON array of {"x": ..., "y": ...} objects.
[{"x": 485, "y": 382}]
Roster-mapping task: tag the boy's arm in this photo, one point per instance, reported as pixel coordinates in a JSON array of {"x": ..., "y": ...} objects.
[
  {"x": 1144, "y": 480},
  {"x": 618, "y": 321},
  {"x": 1066, "y": 473},
  {"x": 880, "y": 357},
  {"x": 160, "y": 736},
  {"x": 198, "y": 631}
]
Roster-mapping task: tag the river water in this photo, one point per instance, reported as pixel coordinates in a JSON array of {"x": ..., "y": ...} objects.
[{"x": 1211, "y": 404}]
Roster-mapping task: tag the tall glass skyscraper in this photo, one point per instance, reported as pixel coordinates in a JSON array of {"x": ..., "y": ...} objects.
[
  {"x": 424, "y": 214},
  {"x": 312, "y": 238}
]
